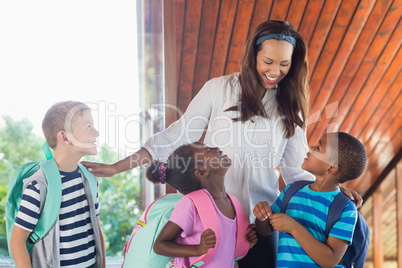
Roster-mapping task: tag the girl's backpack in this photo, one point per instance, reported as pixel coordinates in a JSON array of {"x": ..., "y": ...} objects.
[
  {"x": 138, "y": 251},
  {"x": 356, "y": 253},
  {"x": 50, "y": 203}
]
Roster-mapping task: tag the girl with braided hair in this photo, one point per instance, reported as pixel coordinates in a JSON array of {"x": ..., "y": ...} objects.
[{"x": 189, "y": 168}]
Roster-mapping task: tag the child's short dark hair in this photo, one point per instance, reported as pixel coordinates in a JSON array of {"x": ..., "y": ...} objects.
[
  {"x": 180, "y": 168},
  {"x": 351, "y": 155}
]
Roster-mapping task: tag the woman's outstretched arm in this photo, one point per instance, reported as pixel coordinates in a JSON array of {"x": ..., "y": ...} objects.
[{"x": 141, "y": 157}]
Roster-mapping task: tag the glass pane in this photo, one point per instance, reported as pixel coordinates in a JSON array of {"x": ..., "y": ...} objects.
[
  {"x": 74, "y": 50},
  {"x": 152, "y": 93}
]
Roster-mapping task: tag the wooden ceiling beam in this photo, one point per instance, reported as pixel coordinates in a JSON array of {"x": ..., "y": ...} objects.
[
  {"x": 239, "y": 35},
  {"x": 362, "y": 85},
  {"x": 387, "y": 66},
  {"x": 309, "y": 21},
  {"x": 379, "y": 156},
  {"x": 389, "y": 126},
  {"x": 209, "y": 21},
  {"x": 327, "y": 93},
  {"x": 280, "y": 10},
  {"x": 391, "y": 101},
  {"x": 381, "y": 151},
  {"x": 342, "y": 49},
  {"x": 295, "y": 13},
  {"x": 367, "y": 36},
  {"x": 262, "y": 9},
  {"x": 380, "y": 98},
  {"x": 373, "y": 187},
  {"x": 339, "y": 28},
  {"x": 376, "y": 164},
  {"x": 192, "y": 22},
  {"x": 226, "y": 22},
  {"x": 322, "y": 29}
]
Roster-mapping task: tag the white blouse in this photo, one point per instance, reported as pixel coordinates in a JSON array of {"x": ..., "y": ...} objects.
[{"x": 256, "y": 146}]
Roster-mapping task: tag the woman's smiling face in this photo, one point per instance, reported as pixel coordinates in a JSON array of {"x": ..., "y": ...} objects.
[{"x": 273, "y": 62}]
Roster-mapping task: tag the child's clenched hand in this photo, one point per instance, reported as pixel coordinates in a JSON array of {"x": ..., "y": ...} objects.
[
  {"x": 282, "y": 223},
  {"x": 262, "y": 211},
  {"x": 251, "y": 237},
  {"x": 208, "y": 240}
]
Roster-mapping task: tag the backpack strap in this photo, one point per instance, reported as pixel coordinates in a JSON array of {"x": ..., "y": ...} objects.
[
  {"x": 91, "y": 179},
  {"x": 208, "y": 219},
  {"x": 46, "y": 150},
  {"x": 242, "y": 222},
  {"x": 14, "y": 195},
  {"x": 51, "y": 207},
  {"x": 293, "y": 188},
  {"x": 335, "y": 211}
]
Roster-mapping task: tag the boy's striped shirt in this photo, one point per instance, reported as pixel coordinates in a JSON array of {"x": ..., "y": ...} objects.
[
  {"x": 77, "y": 243},
  {"x": 310, "y": 209}
]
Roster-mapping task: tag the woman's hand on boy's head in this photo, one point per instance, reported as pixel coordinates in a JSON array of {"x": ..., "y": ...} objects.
[
  {"x": 208, "y": 240},
  {"x": 262, "y": 210},
  {"x": 251, "y": 237}
]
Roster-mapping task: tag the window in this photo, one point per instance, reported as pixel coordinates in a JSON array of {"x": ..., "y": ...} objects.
[{"x": 86, "y": 51}]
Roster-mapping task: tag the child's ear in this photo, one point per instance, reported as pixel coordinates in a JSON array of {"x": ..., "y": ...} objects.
[
  {"x": 62, "y": 137},
  {"x": 333, "y": 169},
  {"x": 201, "y": 173}
]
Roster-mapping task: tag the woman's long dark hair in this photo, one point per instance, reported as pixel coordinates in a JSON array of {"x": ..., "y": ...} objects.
[{"x": 292, "y": 95}]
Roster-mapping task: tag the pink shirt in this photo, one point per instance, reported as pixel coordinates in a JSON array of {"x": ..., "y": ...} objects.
[{"x": 186, "y": 217}]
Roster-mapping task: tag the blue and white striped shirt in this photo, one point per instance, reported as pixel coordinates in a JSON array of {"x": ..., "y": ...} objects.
[
  {"x": 77, "y": 242},
  {"x": 310, "y": 209}
]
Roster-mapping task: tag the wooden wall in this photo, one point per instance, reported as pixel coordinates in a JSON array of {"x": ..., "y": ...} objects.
[{"x": 383, "y": 212}]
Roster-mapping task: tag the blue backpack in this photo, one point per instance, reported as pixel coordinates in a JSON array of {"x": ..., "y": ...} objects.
[{"x": 356, "y": 253}]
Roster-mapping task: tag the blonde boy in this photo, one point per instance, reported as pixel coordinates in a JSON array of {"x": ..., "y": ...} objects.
[{"x": 76, "y": 239}]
